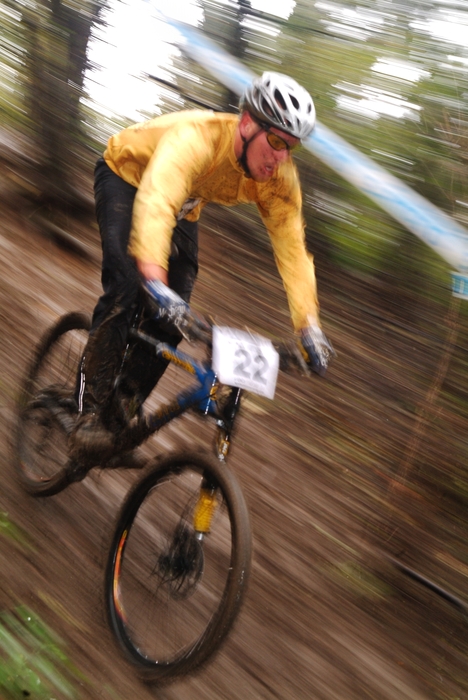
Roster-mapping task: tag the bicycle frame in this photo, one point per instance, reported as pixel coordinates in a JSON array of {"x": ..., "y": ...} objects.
[{"x": 202, "y": 396}]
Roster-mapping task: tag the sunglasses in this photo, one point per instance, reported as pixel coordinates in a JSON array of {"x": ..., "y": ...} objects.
[{"x": 275, "y": 141}]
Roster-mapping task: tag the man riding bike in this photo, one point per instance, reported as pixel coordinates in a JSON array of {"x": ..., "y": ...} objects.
[{"x": 150, "y": 187}]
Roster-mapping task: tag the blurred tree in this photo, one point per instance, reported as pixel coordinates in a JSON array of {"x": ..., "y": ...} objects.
[
  {"x": 224, "y": 24},
  {"x": 12, "y": 58},
  {"x": 192, "y": 86},
  {"x": 242, "y": 31},
  {"x": 55, "y": 37}
]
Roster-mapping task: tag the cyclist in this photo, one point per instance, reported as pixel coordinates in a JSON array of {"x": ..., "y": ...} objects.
[{"x": 150, "y": 187}]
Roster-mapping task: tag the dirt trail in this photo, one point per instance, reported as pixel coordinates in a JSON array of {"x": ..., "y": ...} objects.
[{"x": 325, "y": 617}]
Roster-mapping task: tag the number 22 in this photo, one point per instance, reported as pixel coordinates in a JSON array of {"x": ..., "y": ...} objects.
[{"x": 246, "y": 359}]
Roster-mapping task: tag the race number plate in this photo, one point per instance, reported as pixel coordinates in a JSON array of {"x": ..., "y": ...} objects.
[{"x": 245, "y": 360}]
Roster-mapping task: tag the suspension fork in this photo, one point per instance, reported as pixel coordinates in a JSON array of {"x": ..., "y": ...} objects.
[
  {"x": 207, "y": 499},
  {"x": 225, "y": 423}
]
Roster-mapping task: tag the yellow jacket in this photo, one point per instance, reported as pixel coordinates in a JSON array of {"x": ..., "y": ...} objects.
[{"x": 189, "y": 155}]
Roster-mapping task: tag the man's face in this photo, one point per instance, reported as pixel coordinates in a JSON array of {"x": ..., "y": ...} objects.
[{"x": 262, "y": 158}]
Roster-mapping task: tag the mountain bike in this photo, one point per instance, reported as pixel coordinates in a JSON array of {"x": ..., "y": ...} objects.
[{"x": 180, "y": 555}]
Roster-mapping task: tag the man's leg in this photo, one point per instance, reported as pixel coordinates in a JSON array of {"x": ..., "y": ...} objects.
[
  {"x": 113, "y": 313},
  {"x": 144, "y": 370}
]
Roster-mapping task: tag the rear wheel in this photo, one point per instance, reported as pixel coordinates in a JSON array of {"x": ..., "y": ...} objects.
[
  {"x": 47, "y": 408},
  {"x": 172, "y": 594}
]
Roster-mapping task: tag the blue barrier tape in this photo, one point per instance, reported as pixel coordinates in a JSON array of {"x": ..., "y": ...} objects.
[
  {"x": 436, "y": 228},
  {"x": 460, "y": 285}
]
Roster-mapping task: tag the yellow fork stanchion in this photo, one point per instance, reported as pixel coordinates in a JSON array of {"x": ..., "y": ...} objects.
[{"x": 204, "y": 510}]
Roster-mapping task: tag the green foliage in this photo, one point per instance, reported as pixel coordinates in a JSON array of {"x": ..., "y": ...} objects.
[
  {"x": 33, "y": 659},
  {"x": 14, "y": 533},
  {"x": 12, "y": 83},
  {"x": 33, "y": 662}
]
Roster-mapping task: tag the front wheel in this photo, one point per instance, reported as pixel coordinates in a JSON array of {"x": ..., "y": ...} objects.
[
  {"x": 172, "y": 591},
  {"x": 47, "y": 408}
]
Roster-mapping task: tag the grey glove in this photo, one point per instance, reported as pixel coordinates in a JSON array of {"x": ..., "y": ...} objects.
[{"x": 317, "y": 348}]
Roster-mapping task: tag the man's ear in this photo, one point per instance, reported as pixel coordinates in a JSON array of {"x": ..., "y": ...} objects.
[{"x": 247, "y": 125}]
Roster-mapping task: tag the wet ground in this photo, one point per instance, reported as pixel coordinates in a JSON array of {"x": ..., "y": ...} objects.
[{"x": 324, "y": 472}]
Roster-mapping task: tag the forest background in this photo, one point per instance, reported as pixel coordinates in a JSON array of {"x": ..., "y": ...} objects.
[{"x": 389, "y": 76}]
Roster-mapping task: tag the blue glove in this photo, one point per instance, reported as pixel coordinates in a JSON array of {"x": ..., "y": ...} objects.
[
  {"x": 318, "y": 351},
  {"x": 172, "y": 308},
  {"x": 175, "y": 314}
]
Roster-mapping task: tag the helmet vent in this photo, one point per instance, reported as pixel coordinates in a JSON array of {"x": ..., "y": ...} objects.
[
  {"x": 294, "y": 101},
  {"x": 279, "y": 99},
  {"x": 266, "y": 108}
]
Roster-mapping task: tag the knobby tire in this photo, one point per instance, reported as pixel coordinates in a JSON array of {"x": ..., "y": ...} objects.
[
  {"x": 171, "y": 603},
  {"x": 47, "y": 408}
]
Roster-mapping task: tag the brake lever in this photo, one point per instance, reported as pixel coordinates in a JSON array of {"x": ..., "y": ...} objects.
[{"x": 291, "y": 358}]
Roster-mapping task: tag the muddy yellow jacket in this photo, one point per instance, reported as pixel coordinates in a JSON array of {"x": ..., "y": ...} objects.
[{"x": 181, "y": 161}]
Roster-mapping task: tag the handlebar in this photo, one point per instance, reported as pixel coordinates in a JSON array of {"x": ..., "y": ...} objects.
[{"x": 176, "y": 315}]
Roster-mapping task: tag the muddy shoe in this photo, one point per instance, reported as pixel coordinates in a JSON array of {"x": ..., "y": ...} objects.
[{"x": 91, "y": 438}]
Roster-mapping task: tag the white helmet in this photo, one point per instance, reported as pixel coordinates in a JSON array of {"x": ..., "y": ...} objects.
[{"x": 281, "y": 102}]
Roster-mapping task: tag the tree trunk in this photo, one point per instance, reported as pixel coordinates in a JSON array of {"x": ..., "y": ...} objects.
[{"x": 57, "y": 38}]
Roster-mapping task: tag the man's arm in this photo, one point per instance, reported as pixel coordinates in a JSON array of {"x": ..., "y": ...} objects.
[
  {"x": 282, "y": 216},
  {"x": 181, "y": 155},
  {"x": 280, "y": 207},
  {"x": 152, "y": 271}
]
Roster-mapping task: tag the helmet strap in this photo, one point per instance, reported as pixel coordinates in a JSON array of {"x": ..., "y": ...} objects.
[{"x": 243, "y": 156}]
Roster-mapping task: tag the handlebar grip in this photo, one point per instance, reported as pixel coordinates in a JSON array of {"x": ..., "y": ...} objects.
[{"x": 175, "y": 314}]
